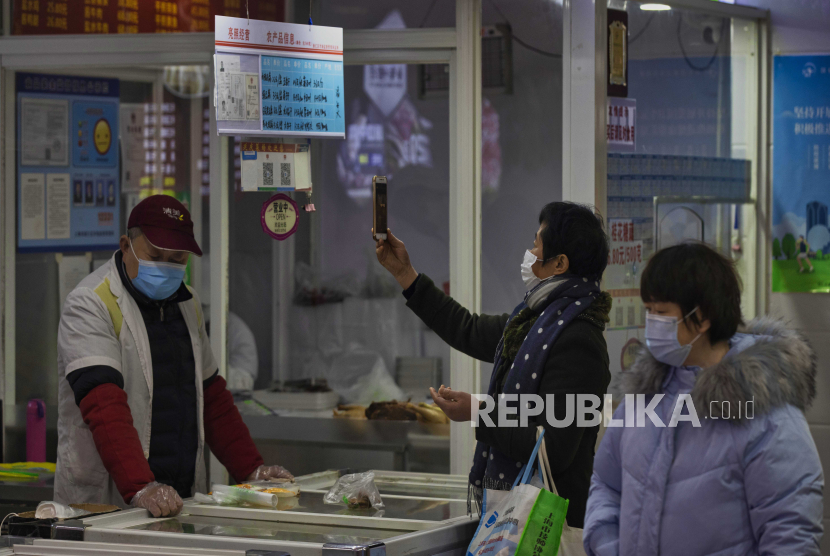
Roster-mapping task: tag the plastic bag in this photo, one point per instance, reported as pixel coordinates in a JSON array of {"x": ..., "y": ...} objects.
[
  {"x": 349, "y": 378},
  {"x": 50, "y": 509},
  {"x": 225, "y": 495},
  {"x": 356, "y": 491}
]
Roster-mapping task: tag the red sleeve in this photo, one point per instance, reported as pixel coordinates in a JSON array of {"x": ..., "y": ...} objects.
[
  {"x": 226, "y": 433},
  {"x": 107, "y": 414}
]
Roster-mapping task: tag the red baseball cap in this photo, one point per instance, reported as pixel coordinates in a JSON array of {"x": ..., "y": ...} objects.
[{"x": 166, "y": 224}]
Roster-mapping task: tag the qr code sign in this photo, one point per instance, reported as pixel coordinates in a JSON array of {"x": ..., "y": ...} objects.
[
  {"x": 285, "y": 174},
  {"x": 268, "y": 174}
]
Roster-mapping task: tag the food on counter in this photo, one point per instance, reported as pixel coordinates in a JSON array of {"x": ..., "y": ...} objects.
[
  {"x": 359, "y": 501},
  {"x": 406, "y": 411},
  {"x": 347, "y": 411},
  {"x": 431, "y": 413},
  {"x": 392, "y": 411},
  {"x": 281, "y": 491},
  {"x": 356, "y": 491},
  {"x": 255, "y": 493}
]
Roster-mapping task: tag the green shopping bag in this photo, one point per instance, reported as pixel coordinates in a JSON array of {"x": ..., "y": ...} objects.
[
  {"x": 524, "y": 521},
  {"x": 543, "y": 529}
]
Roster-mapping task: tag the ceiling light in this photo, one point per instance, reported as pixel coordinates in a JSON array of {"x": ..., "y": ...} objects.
[{"x": 654, "y": 7}]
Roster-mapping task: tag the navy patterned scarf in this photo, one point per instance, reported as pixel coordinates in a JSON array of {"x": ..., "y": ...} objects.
[{"x": 568, "y": 298}]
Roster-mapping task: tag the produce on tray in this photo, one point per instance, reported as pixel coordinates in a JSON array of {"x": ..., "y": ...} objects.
[{"x": 257, "y": 493}]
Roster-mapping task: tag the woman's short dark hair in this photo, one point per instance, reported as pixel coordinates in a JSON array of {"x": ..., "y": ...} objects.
[
  {"x": 575, "y": 231},
  {"x": 695, "y": 275}
]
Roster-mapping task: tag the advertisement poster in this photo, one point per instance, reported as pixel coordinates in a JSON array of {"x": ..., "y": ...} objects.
[
  {"x": 801, "y": 170},
  {"x": 67, "y": 172},
  {"x": 278, "y": 79}
]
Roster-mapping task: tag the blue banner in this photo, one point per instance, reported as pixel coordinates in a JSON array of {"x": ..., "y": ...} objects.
[
  {"x": 801, "y": 171},
  {"x": 67, "y": 163},
  {"x": 302, "y": 95}
]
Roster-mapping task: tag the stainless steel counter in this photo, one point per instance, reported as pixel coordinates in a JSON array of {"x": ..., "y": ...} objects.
[
  {"x": 312, "y": 444},
  {"x": 426, "y": 517}
]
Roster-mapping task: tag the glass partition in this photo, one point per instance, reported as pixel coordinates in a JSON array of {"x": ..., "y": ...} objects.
[
  {"x": 682, "y": 148},
  {"x": 521, "y": 156},
  {"x": 322, "y": 314}
]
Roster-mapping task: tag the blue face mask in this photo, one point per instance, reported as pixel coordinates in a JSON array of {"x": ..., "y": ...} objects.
[
  {"x": 157, "y": 280},
  {"x": 662, "y": 342}
]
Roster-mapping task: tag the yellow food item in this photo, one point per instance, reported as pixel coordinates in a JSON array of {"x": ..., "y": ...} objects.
[
  {"x": 431, "y": 413},
  {"x": 246, "y": 486},
  {"x": 350, "y": 411},
  {"x": 277, "y": 491}
]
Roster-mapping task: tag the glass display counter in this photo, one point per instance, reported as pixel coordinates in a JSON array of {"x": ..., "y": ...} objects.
[{"x": 424, "y": 514}]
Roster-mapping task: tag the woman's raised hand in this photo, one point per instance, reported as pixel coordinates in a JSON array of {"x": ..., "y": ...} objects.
[{"x": 393, "y": 256}]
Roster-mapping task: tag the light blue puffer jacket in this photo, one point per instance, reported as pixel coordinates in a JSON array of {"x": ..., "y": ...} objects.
[{"x": 733, "y": 486}]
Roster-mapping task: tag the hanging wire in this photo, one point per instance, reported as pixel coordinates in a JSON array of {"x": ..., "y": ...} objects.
[
  {"x": 643, "y": 30},
  {"x": 429, "y": 11},
  {"x": 310, "y": 23},
  {"x": 520, "y": 41},
  {"x": 714, "y": 55},
  {"x": 247, "y": 12}
]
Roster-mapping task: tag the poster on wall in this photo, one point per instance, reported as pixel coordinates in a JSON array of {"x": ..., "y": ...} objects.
[
  {"x": 278, "y": 79},
  {"x": 801, "y": 171},
  {"x": 67, "y": 171},
  {"x": 131, "y": 123},
  {"x": 622, "y": 273}
]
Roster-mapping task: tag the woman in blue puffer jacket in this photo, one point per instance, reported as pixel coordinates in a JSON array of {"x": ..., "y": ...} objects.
[{"x": 739, "y": 474}]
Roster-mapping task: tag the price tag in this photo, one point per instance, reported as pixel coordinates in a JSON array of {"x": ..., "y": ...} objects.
[{"x": 280, "y": 217}]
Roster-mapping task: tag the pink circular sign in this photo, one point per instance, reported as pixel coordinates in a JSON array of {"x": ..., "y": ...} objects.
[{"x": 280, "y": 217}]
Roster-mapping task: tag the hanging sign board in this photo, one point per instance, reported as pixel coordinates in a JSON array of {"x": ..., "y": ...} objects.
[
  {"x": 620, "y": 127},
  {"x": 67, "y": 166},
  {"x": 617, "y": 53},
  {"x": 280, "y": 217},
  {"x": 278, "y": 79},
  {"x": 275, "y": 166}
]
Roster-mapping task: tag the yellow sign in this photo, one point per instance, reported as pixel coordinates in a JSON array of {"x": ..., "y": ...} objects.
[{"x": 102, "y": 135}]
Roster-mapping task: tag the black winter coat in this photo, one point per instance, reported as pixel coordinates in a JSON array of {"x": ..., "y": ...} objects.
[{"x": 577, "y": 364}]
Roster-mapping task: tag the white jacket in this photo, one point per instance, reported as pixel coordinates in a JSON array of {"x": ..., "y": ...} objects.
[{"x": 101, "y": 324}]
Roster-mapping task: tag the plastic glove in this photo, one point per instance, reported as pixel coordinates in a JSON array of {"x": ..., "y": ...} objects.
[
  {"x": 160, "y": 500},
  {"x": 265, "y": 472}
]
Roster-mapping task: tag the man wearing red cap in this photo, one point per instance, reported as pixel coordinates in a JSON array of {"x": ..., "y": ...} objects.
[{"x": 139, "y": 390}]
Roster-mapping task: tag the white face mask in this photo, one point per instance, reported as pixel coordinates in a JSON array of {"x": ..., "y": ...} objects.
[
  {"x": 662, "y": 342},
  {"x": 530, "y": 279}
]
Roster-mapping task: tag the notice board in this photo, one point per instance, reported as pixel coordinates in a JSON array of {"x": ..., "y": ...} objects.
[
  {"x": 67, "y": 163},
  {"x": 278, "y": 79}
]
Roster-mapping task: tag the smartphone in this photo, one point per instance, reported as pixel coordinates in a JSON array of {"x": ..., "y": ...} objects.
[{"x": 379, "y": 206}]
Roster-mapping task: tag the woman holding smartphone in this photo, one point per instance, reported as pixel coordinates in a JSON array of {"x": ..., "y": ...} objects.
[{"x": 552, "y": 344}]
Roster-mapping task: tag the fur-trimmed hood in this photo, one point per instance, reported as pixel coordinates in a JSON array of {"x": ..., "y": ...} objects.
[{"x": 778, "y": 368}]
